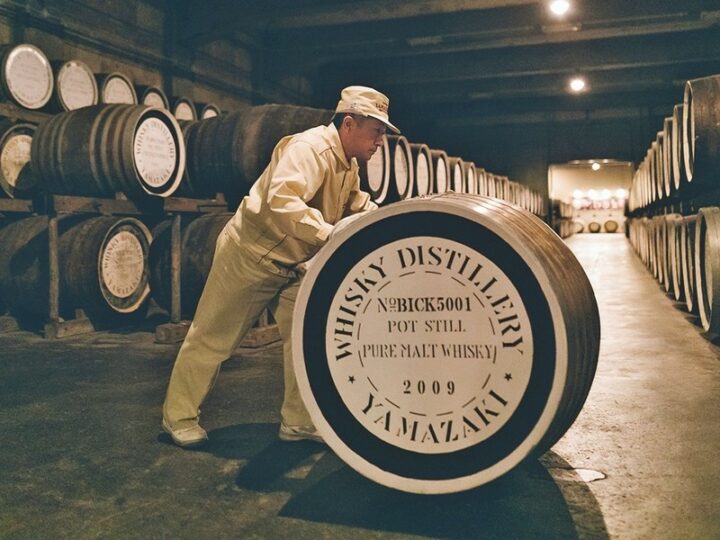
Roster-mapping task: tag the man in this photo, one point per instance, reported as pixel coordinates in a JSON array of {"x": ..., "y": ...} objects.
[{"x": 310, "y": 184}]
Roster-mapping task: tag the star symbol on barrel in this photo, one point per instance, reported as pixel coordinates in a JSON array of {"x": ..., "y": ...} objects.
[
  {"x": 508, "y": 376},
  {"x": 351, "y": 379}
]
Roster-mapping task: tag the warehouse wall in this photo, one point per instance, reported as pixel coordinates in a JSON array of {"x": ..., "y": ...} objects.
[{"x": 137, "y": 39}]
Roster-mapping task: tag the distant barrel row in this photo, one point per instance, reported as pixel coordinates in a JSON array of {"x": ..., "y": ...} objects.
[
  {"x": 30, "y": 80},
  {"x": 684, "y": 158},
  {"x": 109, "y": 266},
  {"x": 401, "y": 169},
  {"x": 683, "y": 253}
]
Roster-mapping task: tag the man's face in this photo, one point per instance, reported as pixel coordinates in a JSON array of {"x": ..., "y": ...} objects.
[{"x": 365, "y": 136}]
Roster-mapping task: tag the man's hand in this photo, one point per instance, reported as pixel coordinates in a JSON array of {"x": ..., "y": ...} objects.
[{"x": 344, "y": 222}]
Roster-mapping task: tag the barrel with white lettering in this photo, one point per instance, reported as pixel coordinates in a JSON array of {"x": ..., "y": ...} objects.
[{"x": 439, "y": 342}]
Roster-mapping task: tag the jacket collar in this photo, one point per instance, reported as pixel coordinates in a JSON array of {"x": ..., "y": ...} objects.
[{"x": 337, "y": 147}]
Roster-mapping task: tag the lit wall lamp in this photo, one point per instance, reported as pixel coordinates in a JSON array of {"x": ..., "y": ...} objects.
[
  {"x": 577, "y": 85},
  {"x": 559, "y": 7}
]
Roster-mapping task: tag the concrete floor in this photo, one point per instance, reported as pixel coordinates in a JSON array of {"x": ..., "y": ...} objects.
[{"x": 83, "y": 455}]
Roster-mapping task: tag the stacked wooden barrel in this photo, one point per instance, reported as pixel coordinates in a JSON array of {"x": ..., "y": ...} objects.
[
  {"x": 673, "y": 204},
  {"x": 432, "y": 171},
  {"x": 103, "y": 266}
]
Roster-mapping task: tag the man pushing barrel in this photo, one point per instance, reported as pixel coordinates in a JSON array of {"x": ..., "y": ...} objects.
[{"x": 310, "y": 184}]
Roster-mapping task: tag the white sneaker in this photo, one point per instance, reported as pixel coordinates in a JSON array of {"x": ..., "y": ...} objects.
[
  {"x": 186, "y": 437},
  {"x": 299, "y": 433}
]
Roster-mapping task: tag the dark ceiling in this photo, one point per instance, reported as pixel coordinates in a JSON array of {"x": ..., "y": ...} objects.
[{"x": 477, "y": 62}]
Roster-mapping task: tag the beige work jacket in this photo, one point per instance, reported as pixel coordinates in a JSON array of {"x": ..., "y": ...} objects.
[{"x": 308, "y": 186}]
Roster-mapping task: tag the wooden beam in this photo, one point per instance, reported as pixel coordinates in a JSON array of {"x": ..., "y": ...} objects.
[
  {"x": 599, "y": 55},
  {"x": 339, "y": 13}
]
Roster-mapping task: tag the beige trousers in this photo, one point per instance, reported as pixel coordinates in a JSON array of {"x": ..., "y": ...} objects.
[{"x": 235, "y": 294}]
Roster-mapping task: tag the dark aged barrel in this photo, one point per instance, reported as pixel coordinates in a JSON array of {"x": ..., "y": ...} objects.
[
  {"x": 457, "y": 179},
  {"x": 470, "y": 176},
  {"x": 707, "y": 269},
  {"x": 236, "y": 147},
  {"x": 439, "y": 342},
  {"x": 701, "y": 130},
  {"x": 116, "y": 88},
  {"x": 152, "y": 96},
  {"x": 402, "y": 173},
  {"x": 26, "y": 76},
  {"x": 16, "y": 177},
  {"x": 687, "y": 256},
  {"x": 103, "y": 265},
  {"x": 441, "y": 170},
  {"x": 75, "y": 86},
  {"x": 197, "y": 250},
  {"x": 422, "y": 165},
  {"x": 183, "y": 108},
  {"x": 678, "y": 165},
  {"x": 208, "y": 110},
  {"x": 104, "y": 149}
]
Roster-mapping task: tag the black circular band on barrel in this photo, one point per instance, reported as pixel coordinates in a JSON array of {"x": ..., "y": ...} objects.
[{"x": 443, "y": 466}]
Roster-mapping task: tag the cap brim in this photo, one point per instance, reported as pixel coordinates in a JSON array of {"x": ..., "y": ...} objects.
[{"x": 388, "y": 124}]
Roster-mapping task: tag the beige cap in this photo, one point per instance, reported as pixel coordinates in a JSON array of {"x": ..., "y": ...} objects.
[{"x": 365, "y": 101}]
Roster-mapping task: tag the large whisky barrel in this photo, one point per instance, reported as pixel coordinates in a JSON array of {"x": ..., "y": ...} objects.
[
  {"x": 439, "y": 342},
  {"x": 102, "y": 265},
  {"x": 26, "y": 76},
  {"x": 657, "y": 146},
  {"x": 470, "y": 178},
  {"x": 375, "y": 173},
  {"x": 423, "y": 170},
  {"x": 100, "y": 150},
  {"x": 707, "y": 269},
  {"x": 678, "y": 165},
  {"x": 441, "y": 171},
  {"x": 457, "y": 178},
  {"x": 402, "y": 172},
  {"x": 152, "y": 96},
  {"x": 667, "y": 142},
  {"x": 16, "y": 176},
  {"x": 183, "y": 108},
  {"x": 687, "y": 257},
  {"x": 675, "y": 247},
  {"x": 75, "y": 86},
  {"x": 701, "y": 130},
  {"x": 232, "y": 150},
  {"x": 208, "y": 110},
  {"x": 197, "y": 250},
  {"x": 116, "y": 88}
]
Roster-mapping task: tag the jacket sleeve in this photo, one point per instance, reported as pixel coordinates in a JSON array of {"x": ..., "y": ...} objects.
[
  {"x": 358, "y": 201},
  {"x": 298, "y": 176}
]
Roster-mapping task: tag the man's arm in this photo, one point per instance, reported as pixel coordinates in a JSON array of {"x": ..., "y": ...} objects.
[
  {"x": 298, "y": 176},
  {"x": 359, "y": 201}
]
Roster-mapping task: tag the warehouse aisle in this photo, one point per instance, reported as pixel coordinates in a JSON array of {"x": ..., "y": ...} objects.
[
  {"x": 651, "y": 420},
  {"x": 83, "y": 455}
]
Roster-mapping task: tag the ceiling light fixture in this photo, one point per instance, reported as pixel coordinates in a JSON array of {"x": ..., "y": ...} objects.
[
  {"x": 595, "y": 166},
  {"x": 577, "y": 85},
  {"x": 560, "y": 7}
]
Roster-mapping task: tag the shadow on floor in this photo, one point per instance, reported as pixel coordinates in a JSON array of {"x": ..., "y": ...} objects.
[{"x": 525, "y": 503}]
